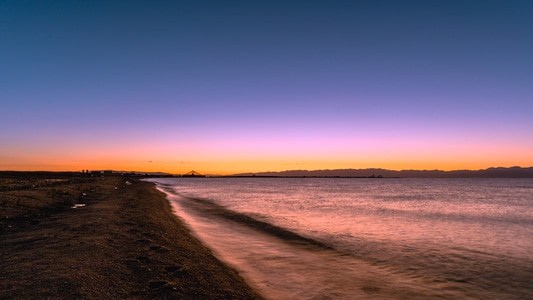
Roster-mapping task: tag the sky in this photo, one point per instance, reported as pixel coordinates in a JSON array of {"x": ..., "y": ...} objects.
[{"x": 224, "y": 87}]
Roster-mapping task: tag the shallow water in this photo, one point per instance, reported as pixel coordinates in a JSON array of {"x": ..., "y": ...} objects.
[{"x": 312, "y": 238}]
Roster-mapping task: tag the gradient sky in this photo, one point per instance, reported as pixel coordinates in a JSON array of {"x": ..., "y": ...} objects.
[{"x": 233, "y": 86}]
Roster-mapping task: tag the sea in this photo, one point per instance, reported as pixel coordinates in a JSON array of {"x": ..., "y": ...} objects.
[{"x": 365, "y": 238}]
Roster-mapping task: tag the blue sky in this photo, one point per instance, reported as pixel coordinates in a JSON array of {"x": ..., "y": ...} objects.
[{"x": 246, "y": 85}]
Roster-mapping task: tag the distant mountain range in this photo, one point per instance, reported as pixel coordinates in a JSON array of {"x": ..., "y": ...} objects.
[{"x": 513, "y": 172}]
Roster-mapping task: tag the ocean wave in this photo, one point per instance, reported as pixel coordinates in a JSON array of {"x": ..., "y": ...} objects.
[{"x": 208, "y": 207}]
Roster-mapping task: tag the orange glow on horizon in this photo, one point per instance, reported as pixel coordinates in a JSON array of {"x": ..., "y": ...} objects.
[
  {"x": 231, "y": 158},
  {"x": 228, "y": 167}
]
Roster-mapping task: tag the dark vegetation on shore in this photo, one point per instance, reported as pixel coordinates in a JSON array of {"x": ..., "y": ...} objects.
[{"x": 125, "y": 243}]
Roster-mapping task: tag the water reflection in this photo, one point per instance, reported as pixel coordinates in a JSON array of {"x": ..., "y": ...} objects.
[{"x": 390, "y": 238}]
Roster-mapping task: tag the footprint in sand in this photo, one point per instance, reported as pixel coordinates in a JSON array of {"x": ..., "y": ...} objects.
[
  {"x": 153, "y": 285},
  {"x": 158, "y": 249}
]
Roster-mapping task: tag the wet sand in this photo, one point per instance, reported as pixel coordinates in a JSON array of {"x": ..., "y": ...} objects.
[{"x": 125, "y": 243}]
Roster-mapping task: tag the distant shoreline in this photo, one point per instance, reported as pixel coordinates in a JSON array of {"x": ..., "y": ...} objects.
[
  {"x": 512, "y": 172},
  {"x": 498, "y": 172}
]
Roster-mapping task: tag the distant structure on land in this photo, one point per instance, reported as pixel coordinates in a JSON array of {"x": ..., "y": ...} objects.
[
  {"x": 192, "y": 174},
  {"x": 98, "y": 173}
]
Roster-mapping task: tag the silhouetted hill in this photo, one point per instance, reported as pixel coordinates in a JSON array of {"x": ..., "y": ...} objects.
[{"x": 513, "y": 172}]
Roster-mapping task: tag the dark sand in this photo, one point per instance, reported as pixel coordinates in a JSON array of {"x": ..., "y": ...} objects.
[{"x": 124, "y": 244}]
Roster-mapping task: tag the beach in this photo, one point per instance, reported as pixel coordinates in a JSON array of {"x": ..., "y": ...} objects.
[{"x": 67, "y": 236}]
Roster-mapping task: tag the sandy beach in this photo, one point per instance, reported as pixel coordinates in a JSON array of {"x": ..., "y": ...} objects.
[{"x": 65, "y": 236}]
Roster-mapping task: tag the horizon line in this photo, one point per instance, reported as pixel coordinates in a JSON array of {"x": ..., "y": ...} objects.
[{"x": 282, "y": 171}]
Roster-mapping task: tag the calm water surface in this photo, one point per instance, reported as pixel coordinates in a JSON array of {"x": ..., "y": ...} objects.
[{"x": 320, "y": 238}]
